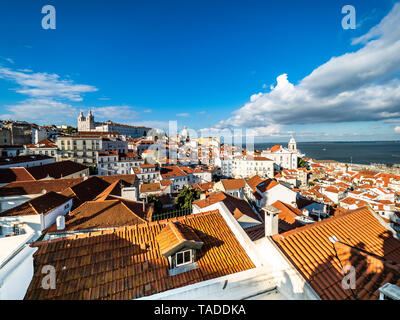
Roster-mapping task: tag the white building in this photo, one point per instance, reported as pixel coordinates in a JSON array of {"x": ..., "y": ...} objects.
[
  {"x": 88, "y": 124},
  {"x": 112, "y": 162},
  {"x": 250, "y": 166},
  {"x": 284, "y": 158},
  {"x": 20, "y": 226}
]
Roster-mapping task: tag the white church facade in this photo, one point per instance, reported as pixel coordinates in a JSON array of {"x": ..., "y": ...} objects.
[
  {"x": 284, "y": 158},
  {"x": 89, "y": 124}
]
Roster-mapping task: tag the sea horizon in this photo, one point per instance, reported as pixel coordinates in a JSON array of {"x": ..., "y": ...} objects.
[{"x": 357, "y": 152}]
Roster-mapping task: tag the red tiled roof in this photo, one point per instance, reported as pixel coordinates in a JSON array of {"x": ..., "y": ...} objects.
[
  {"x": 39, "y": 205},
  {"x": 126, "y": 263},
  {"x": 175, "y": 236},
  {"x": 233, "y": 184},
  {"x": 363, "y": 242},
  {"x": 254, "y": 181},
  {"x": 287, "y": 216},
  {"x": 36, "y": 187},
  {"x": 171, "y": 172},
  {"x": 102, "y": 214},
  {"x": 237, "y": 206},
  {"x": 15, "y": 174},
  {"x": 56, "y": 169},
  {"x": 150, "y": 187},
  {"x": 275, "y": 148},
  {"x": 86, "y": 190},
  {"x": 267, "y": 185}
]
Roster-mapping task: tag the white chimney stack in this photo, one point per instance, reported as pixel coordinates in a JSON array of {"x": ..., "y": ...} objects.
[
  {"x": 60, "y": 222},
  {"x": 271, "y": 220}
]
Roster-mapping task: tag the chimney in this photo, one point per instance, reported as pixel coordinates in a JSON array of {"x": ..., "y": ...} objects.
[
  {"x": 271, "y": 220},
  {"x": 60, "y": 222}
]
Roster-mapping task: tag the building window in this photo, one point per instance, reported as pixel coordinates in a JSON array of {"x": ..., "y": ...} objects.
[
  {"x": 183, "y": 257},
  {"x": 17, "y": 230}
]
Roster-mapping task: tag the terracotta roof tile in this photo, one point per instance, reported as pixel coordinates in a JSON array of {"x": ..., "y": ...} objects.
[
  {"x": 238, "y": 207},
  {"x": 15, "y": 174},
  {"x": 103, "y": 214},
  {"x": 126, "y": 263},
  {"x": 175, "y": 236},
  {"x": 36, "y": 187},
  {"x": 363, "y": 242},
  {"x": 39, "y": 205},
  {"x": 56, "y": 169},
  {"x": 232, "y": 184}
]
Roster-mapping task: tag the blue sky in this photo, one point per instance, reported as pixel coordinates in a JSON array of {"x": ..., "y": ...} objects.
[{"x": 206, "y": 64}]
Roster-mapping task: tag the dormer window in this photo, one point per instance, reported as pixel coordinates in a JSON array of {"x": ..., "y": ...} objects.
[
  {"x": 183, "y": 257},
  {"x": 179, "y": 243}
]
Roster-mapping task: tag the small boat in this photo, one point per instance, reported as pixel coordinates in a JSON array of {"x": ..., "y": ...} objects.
[{"x": 323, "y": 149}]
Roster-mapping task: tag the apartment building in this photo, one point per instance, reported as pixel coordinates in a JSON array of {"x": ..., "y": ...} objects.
[
  {"x": 112, "y": 162},
  {"x": 81, "y": 149},
  {"x": 250, "y": 166}
]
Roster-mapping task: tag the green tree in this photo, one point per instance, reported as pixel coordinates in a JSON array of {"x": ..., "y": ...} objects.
[
  {"x": 301, "y": 163},
  {"x": 186, "y": 197},
  {"x": 70, "y": 130},
  {"x": 156, "y": 201}
]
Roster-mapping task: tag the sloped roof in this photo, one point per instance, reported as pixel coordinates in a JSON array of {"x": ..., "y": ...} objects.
[
  {"x": 126, "y": 263},
  {"x": 171, "y": 172},
  {"x": 150, "y": 187},
  {"x": 238, "y": 207},
  {"x": 175, "y": 236},
  {"x": 39, "y": 205},
  {"x": 363, "y": 241},
  {"x": 287, "y": 216},
  {"x": 35, "y": 187},
  {"x": 267, "y": 185},
  {"x": 113, "y": 188},
  {"x": 86, "y": 190},
  {"x": 127, "y": 179},
  {"x": 56, "y": 169},
  {"x": 15, "y": 174},
  {"x": 103, "y": 214},
  {"x": 254, "y": 181},
  {"x": 232, "y": 184}
]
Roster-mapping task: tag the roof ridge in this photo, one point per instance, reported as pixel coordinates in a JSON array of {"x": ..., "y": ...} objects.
[
  {"x": 145, "y": 221},
  {"x": 117, "y": 229}
]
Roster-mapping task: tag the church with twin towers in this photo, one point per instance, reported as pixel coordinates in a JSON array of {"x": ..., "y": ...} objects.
[{"x": 88, "y": 124}]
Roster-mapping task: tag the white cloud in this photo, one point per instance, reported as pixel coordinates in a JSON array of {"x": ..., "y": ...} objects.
[
  {"x": 182, "y": 114},
  {"x": 161, "y": 125},
  {"x": 358, "y": 86},
  {"x": 45, "y": 85},
  {"x": 40, "y": 110},
  {"x": 10, "y": 60},
  {"x": 115, "y": 112},
  {"x": 147, "y": 111}
]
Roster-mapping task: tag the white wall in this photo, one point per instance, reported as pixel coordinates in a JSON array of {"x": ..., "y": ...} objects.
[
  {"x": 16, "y": 275},
  {"x": 46, "y": 220},
  {"x": 280, "y": 193},
  {"x": 13, "y": 201}
]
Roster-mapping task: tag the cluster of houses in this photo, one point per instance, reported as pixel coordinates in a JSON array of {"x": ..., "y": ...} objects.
[{"x": 260, "y": 226}]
